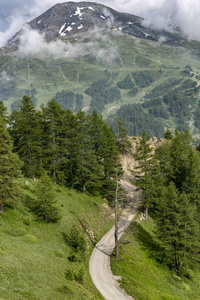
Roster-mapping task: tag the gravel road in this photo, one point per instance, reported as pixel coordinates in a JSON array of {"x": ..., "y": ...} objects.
[{"x": 100, "y": 270}]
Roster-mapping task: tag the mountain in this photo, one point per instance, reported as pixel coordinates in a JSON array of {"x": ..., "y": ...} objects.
[
  {"x": 71, "y": 18},
  {"x": 89, "y": 56}
]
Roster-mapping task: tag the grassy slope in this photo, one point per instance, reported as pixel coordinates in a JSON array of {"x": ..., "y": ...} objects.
[
  {"x": 143, "y": 277},
  {"x": 123, "y": 55},
  {"x": 126, "y": 55},
  {"x": 34, "y": 255}
]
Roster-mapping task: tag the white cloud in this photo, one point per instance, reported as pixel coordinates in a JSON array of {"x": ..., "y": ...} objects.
[
  {"x": 157, "y": 13},
  {"x": 33, "y": 43},
  {"x": 15, "y": 25}
]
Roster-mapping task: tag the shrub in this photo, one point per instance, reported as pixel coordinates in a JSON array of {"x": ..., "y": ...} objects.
[{"x": 75, "y": 239}]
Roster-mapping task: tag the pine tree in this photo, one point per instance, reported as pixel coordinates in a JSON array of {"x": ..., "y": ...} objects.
[
  {"x": 168, "y": 134},
  {"x": 9, "y": 169},
  {"x": 177, "y": 230},
  {"x": 95, "y": 127},
  {"x": 141, "y": 173},
  {"x": 45, "y": 205},
  {"x": 111, "y": 162},
  {"x": 70, "y": 146},
  {"x": 123, "y": 143},
  {"x": 4, "y": 113},
  {"x": 88, "y": 170},
  {"x": 25, "y": 132},
  {"x": 53, "y": 150}
]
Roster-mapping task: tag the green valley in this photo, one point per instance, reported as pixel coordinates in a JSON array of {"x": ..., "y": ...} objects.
[{"x": 126, "y": 81}]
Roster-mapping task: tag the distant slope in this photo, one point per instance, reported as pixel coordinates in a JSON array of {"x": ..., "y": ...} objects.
[{"x": 88, "y": 56}]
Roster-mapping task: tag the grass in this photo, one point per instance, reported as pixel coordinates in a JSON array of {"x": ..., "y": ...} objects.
[
  {"x": 123, "y": 55},
  {"x": 34, "y": 255},
  {"x": 142, "y": 276}
]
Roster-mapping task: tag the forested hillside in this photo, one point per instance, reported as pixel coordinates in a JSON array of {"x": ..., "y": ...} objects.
[
  {"x": 149, "y": 85},
  {"x": 46, "y": 153},
  {"x": 165, "y": 239},
  {"x": 56, "y": 167}
]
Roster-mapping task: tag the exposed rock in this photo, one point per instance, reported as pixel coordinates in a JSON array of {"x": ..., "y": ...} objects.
[{"x": 72, "y": 18}]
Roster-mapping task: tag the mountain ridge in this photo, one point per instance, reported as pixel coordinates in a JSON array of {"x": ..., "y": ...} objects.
[{"x": 71, "y": 18}]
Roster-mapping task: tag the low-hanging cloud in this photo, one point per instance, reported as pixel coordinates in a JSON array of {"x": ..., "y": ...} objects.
[
  {"x": 166, "y": 14},
  {"x": 33, "y": 43},
  {"x": 159, "y": 14}
]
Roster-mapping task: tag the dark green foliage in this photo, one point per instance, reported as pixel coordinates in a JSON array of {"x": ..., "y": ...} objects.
[
  {"x": 54, "y": 152},
  {"x": 44, "y": 204},
  {"x": 197, "y": 116},
  {"x": 69, "y": 100},
  {"x": 88, "y": 169},
  {"x": 102, "y": 93},
  {"x": 25, "y": 132},
  {"x": 163, "y": 88},
  {"x": 76, "y": 240},
  {"x": 159, "y": 112},
  {"x": 123, "y": 143},
  {"x": 67, "y": 146},
  {"x": 145, "y": 78},
  {"x": 168, "y": 134},
  {"x": 177, "y": 230},
  {"x": 153, "y": 102},
  {"x": 133, "y": 92},
  {"x": 136, "y": 120},
  {"x": 126, "y": 84},
  {"x": 111, "y": 162},
  {"x": 142, "y": 176},
  {"x": 4, "y": 113},
  {"x": 75, "y": 273},
  {"x": 171, "y": 188},
  {"x": 10, "y": 166}
]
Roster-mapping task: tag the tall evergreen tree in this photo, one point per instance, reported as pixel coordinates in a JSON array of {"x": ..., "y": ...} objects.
[
  {"x": 178, "y": 232},
  {"x": 53, "y": 150},
  {"x": 45, "y": 204},
  {"x": 141, "y": 173},
  {"x": 95, "y": 127},
  {"x": 9, "y": 169},
  {"x": 4, "y": 113},
  {"x": 70, "y": 146},
  {"x": 26, "y": 131},
  {"x": 88, "y": 170},
  {"x": 123, "y": 143},
  {"x": 111, "y": 162}
]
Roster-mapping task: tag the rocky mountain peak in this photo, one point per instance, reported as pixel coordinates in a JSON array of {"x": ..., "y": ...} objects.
[{"x": 71, "y": 18}]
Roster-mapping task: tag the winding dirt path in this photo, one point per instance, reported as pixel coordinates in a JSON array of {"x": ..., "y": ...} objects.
[{"x": 100, "y": 270}]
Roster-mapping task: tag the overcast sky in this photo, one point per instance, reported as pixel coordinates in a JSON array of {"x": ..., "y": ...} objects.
[{"x": 159, "y": 13}]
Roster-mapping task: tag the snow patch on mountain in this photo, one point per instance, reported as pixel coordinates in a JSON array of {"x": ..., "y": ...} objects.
[
  {"x": 61, "y": 29},
  {"x": 69, "y": 28}
]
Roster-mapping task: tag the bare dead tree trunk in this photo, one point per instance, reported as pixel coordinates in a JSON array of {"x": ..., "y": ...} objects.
[
  {"x": 1, "y": 204},
  {"x": 116, "y": 219},
  {"x": 146, "y": 213}
]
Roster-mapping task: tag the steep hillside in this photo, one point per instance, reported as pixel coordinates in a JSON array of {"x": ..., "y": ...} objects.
[{"x": 36, "y": 261}]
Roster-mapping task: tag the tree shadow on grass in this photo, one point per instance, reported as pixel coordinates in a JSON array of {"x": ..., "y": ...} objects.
[{"x": 147, "y": 240}]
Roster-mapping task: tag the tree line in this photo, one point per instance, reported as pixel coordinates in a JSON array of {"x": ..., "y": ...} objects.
[
  {"x": 170, "y": 183},
  {"x": 75, "y": 150}
]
